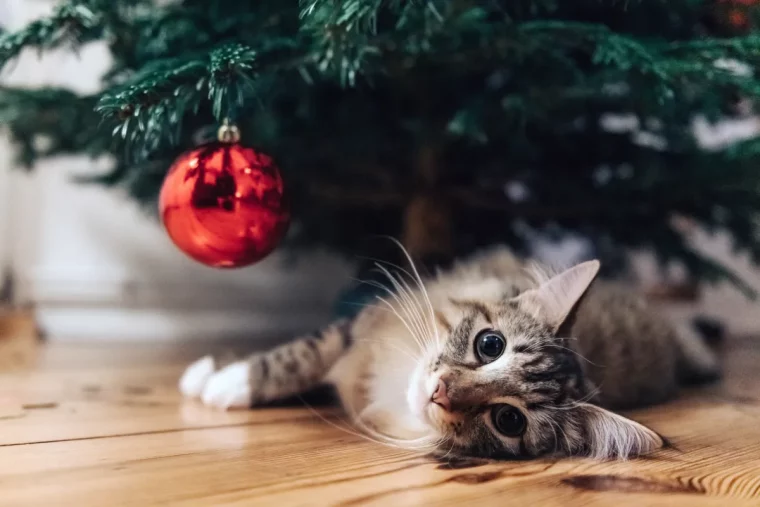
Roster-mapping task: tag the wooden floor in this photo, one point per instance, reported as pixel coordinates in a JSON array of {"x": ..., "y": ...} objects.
[{"x": 87, "y": 425}]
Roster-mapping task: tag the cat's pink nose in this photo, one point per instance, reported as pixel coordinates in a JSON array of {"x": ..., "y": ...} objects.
[{"x": 440, "y": 397}]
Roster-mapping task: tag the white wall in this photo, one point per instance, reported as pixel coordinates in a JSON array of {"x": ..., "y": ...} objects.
[
  {"x": 95, "y": 267},
  {"x": 4, "y": 188},
  {"x": 5, "y": 257}
]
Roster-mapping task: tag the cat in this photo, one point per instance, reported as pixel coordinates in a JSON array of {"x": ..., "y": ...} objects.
[{"x": 493, "y": 358}]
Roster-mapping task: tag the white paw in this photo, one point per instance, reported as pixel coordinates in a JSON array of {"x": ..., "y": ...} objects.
[
  {"x": 230, "y": 387},
  {"x": 195, "y": 377}
]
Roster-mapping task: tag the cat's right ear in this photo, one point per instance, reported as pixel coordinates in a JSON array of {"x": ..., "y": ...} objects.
[{"x": 553, "y": 300}]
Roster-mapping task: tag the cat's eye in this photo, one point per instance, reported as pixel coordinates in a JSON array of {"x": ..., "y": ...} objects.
[
  {"x": 508, "y": 420},
  {"x": 489, "y": 345}
]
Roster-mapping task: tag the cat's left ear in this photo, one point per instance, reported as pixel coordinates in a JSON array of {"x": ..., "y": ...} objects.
[
  {"x": 553, "y": 300},
  {"x": 608, "y": 435}
]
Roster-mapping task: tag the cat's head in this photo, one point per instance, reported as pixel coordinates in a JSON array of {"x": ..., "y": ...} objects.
[{"x": 506, "y": 381}]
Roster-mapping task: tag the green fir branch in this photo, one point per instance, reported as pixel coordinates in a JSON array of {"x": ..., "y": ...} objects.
[
  {"x": 71, "y": 23},
  {"x": 345, "y": 94}
]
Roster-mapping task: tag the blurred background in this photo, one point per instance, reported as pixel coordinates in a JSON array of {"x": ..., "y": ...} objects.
[{"x": 92, "y": 263}]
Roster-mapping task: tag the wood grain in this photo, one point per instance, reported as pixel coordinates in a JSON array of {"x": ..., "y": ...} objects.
[{"x": 103, "y": 425}]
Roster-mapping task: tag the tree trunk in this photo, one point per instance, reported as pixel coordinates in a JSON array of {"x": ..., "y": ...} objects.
[
  {"x": 427, "y": 233},
  {"x": 427, "y": 228}
]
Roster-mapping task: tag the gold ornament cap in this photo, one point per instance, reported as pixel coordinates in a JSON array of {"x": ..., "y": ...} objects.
[{"x": 228, "y": 133}]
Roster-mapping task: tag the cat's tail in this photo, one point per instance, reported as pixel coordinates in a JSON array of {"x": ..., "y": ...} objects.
[
  {"x": 697, "y": 361},
  {"x": 712, "y": 330},
  {"x": 287, "y": 370}
]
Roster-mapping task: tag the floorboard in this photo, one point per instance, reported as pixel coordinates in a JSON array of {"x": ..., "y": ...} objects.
[{"x": 94, "y": 425}]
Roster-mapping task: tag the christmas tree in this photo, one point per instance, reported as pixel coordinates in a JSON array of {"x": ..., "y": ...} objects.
[{"x": 449, "y": 124}]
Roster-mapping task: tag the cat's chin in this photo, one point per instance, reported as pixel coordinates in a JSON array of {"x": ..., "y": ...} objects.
[{"x": 418, "y": 394}]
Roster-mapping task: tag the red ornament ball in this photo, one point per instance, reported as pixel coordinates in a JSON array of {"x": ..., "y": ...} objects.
[{"x": 222, "y": 204}]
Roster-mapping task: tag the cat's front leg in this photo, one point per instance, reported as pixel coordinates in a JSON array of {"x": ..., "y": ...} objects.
[{"x": 269, "y": 376}]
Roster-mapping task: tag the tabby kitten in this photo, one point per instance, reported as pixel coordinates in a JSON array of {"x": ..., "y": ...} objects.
[{"x": 490, "y": 359}]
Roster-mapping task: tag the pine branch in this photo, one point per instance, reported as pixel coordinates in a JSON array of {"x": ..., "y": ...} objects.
[
  {"x": 51, "y": 122},
  {"x": 150, "y": 107},
  {"x": 70, "y": 24}
]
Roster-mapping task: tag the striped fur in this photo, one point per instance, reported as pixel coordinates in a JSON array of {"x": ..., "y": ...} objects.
[{"x": 570, "y": 354}]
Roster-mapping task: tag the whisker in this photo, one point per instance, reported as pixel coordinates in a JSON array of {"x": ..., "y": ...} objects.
[
  {"x": 366, "y": 305},
  {"x": 568, "y": 445},
  {"x": 393, "y": 265},
  {"x": 581, "y": 356},
  {"x": 574, "y": 404},
  {"x": 453, "y": 444},
  {"x": 403, "y": 321},
  {"x": 396, "y": 298},
  {"x": 554, "y": 427},
  {"x": 338, "y": 426},
  {"x": 417, "y": 280},
  {"x": 400, "y": 299},
  {"x": 431, "y": 325},
  {"x": 396, "y": 346},
  {"x": 421, "y": 443},
  {"x": 414, "y": 277},
  {"x": 375, "y": 436},
  {"x": 414, "y": 311},
  {"x": 422, "y": 286},
  {"x": 420, "y": 310}
]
